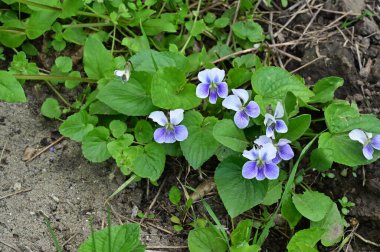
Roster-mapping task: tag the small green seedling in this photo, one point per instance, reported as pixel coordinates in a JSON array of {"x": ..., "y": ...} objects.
[{"x": 346, "y": 205}]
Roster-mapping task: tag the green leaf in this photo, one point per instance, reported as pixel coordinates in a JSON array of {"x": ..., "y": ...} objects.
[
  {"x": 297, "y": 126},
  {"x": 64, "y": 64},
  {"x": 20, "y": 65},
  {"x": 78, "y": 125},
  {"x": 221, "y": 22},
  {"x": 143, "y": 131},
  {"x": 118, "y": 128},
  {"x": 175, "y": 195},
  {"x": 29, "y": 49},
  {"x": 136, "y": 44},
  {"x": 238, "y": 76},
  {"x": 343, "y": 118},
  {"x": 305, "y": 240},
  {"x": 209, "y": 18},
  {"x": 13, "y": 34},
  {"x": 173, "y": 150},
  {"x": 199, "y": 27},
  {"x": 245, "y": 248},
  {"x": 10, "y": 88},
  {"x": 289, "y": 211},
  {"x": 152, "y": 61},
  {"x": 151, "y": 162},
  {"x": 291, "y": 104},
  {"x": 333, "y": 226},
  {"x": 97, "y": 59},
  {"x": 123, "y": 238},
  {"x": 273, "y": 83},
  {"x": 71, "y": 7},
  {"x": 226, "y": 133},
  {"x": 200, "y": 134},
  {"x": 237, "y": 193},
  {"x": 206, "y": 239},
  {"x": 344, "y": 150},
  {"x": 129, "y": 98},
  {"x": 177, "y": 228},
  {"x": 52, "y": 3},
  {"x": 175, "y": 219},
  {"x": 312, "y": 205},
  {"x": 284, "y": 3},
  {"x": 75, "y": 35},
  {"x": 170, "y": 90},
  {"x": 153, "y": 26},
  {"x": 321, "y": 159},
  {"x": 70, "y": 84},
  {"x": 39, "y": 22},
  {"x": 99, "y": 108},
  {"x": 116, "y": 147},
  {"x": 50, "y": 108},
  {"x": 325, "y": 88},
  {"x": 242, "y": 233},
  {"x": 247, "y": 61},
  {"x": 248, "y": 30},
  {"x": 94, "y": 145},
  {"x": 274, "y": 192}
]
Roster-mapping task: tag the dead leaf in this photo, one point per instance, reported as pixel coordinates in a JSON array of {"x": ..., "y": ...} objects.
[
  {"x": 28, "y": 153},
  {"x": 203, "y": 189}
]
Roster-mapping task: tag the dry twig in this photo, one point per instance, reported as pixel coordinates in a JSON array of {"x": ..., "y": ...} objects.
[
  {"x": 307, "y": 64},
  {"x": 15, "y": 193},
  {"x": 153, "y": 201},
  {"x": 10, "y": 246},
  {"x": 46, "y": 148}
]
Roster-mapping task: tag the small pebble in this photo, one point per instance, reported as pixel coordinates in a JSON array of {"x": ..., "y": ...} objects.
[
  {"x": 17, "y": 186},
  {"x": 358, "y": 97},
  {"x": 135, "y": 210},
  {"x": 55, "y": 198}
]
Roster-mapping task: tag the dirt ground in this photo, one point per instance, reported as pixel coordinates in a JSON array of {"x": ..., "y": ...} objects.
[{"x": 61, "y": 185}]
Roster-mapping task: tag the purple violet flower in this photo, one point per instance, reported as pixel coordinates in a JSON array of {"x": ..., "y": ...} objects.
[
  {"x": 171, "y": 130},
  {"x": 284, "y": 151},
  {"x": 260, "y": 165},
  {"x": 368, "y": 141},
  {"x": 272, "y": 122},
  {"x": 212, "y": 84},
  {"x": 243, "y": 110}
]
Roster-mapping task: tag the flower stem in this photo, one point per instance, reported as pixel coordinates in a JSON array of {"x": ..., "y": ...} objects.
[
  {"x": 318, "y": 120},
  {"x": 87, "y": 25},
  {"x": 58, "y": 94},
  {"x": 113, "y": 39},
  {"x": 286, "y": 193},
  {"x": 53, "y": 78},
  {"x": 122, "y": 187},
  {"x": 192, "y": 28}
]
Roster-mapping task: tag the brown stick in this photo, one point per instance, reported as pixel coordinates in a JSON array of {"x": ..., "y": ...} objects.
[
  {"x": 233, "y": 22},
  {"x": 10, "y": 246},
  {"x": 15, "y": 193},
  {"x": 46, "y": 148},
  {"x": 2, "y": 151},
  {"x": 307, "y": 64},
  {"x": 366, "y": 241},
  {"x": 309, "y": 24},
  {"x": 154, "y": 201}
]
